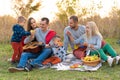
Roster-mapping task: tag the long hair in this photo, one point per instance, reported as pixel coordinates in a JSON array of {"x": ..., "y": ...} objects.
[
  {"x": 93, "y": 30},
  {"x": 29, "y": 27}
]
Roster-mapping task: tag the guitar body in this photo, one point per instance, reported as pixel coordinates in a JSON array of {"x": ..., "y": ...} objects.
[{"x": 33, "y": 47}]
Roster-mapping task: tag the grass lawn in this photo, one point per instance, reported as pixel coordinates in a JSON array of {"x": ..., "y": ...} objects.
[{"x": 104, "y": 73}]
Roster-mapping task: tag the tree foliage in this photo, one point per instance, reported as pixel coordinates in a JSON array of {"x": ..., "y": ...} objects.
[
  {"x": 25, "y": 8},
  {"x": 109, "y": 26},
  {"x": 66, "y": 8},
  {"x": 73, "y": 7}
]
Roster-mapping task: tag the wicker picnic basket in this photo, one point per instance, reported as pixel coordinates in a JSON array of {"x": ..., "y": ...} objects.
[{"x": 92, "y": 63}]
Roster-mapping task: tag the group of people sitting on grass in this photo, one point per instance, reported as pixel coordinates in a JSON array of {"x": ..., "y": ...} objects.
[{"x": 55, "y": 51}]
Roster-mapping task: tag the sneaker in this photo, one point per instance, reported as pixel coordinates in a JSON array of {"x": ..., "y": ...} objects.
[
  {"x": 102, "y": 61},
  {"x": 37, "y": 66},
  {"x": 13, "y": 62},
  {"x": 9, "y": 60},
  {"x": 48, "y": 65},
  {"x": 28, "y": 67},
  {"x": 67, "y": 60},
  {"x": 117, "y": 59},
  {"x": 30, "y": 60},
  {"x": 110, "y": 61},
  {"x": 15, "y": 69}
]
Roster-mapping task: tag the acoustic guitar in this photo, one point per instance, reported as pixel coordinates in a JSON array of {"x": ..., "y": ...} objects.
[{"x": 34, "y": 47}]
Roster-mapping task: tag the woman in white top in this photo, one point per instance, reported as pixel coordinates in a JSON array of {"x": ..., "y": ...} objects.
[{"x": 94, "y": 42}]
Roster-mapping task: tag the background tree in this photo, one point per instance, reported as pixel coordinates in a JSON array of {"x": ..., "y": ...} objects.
[
  {"x": 25, "y": 8},
  {"x": 109, "y": 26},
  {"x": 66, "y": 8}
]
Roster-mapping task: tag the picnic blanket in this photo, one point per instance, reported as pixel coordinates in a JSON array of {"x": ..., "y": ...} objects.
[{"x": 71, "y": 60}]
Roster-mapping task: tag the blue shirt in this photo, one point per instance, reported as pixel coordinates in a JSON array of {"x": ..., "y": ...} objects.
[{"x": 18, "y": 33}]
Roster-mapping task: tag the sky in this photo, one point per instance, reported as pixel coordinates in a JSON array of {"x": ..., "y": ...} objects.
[{"x": 49, "y": 8}]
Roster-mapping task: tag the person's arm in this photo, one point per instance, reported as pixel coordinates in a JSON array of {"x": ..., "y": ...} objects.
[
  {"x": 70, "y": 36},
  {"x": 38, "y": 35},
  {"x": 25, "y": 33},
  {"x": 51, "y": 43},
  {"x": 71, "y": 39},
  {"x": 49, "y": 36},
  {"x": 20, "y": 31},
  {"x": 97, "y": 45},
  {"x": 77, "y": 41},
  {"x": 30, "y": 38},
  {"x": 66, "y": 40},
  {"x": 82, "y": 31}
]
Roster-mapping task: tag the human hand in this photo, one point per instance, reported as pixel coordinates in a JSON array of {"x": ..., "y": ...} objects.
[
  {"x": 85, "y": 44},
  {"x": 47, "y": 45},
  {"x": 68, "y": 33},
  {"x": 32, "y": 32},
  {"x": 91, "y": 46}
]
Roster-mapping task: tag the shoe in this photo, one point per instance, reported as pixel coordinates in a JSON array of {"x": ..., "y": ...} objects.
[
  {"x": 15, "y": 69},
  {"x": 37, "y": 66},
  {"x": 67, "y": 60},
  {"x": 117, "y": 59},
  {"x": 28, "y": 67},
  {"x": 102, "y": 61},
  {"x": 9, "y": 60},
  {"x": 110, "y": 61},
  {"x": 13, "y": 62},
  {"x": 48, "y": 65},
  {"x": 30, "y": 60}
]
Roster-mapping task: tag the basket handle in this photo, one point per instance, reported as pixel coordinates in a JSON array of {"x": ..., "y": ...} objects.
[{"x": 95, "y": 50}]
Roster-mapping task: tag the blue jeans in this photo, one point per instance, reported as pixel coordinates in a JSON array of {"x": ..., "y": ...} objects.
[{"x": 38, "y": 58}]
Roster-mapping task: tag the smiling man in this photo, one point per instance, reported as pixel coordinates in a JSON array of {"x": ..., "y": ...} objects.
[{"x": 76, "y": 30}]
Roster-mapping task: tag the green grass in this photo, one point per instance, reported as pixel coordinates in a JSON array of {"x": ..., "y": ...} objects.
[{"x": 104, "y": 73}]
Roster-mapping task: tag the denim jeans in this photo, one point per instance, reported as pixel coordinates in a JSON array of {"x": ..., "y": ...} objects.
[{"x": 38, "y": 58}]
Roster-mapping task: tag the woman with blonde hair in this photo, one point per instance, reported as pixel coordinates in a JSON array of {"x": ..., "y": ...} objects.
[
  {"x": 94, "y": 42},
  {"x": 93, "y": 30}
]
